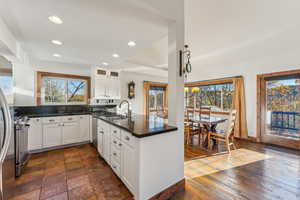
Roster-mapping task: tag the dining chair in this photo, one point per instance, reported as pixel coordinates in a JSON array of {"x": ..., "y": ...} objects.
[
  {"x": 191, "y": 128},
  {"x": 226, "y": 135}
]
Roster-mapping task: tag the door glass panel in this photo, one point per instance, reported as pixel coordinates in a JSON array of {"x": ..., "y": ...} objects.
[
  {"x": 282, "y": 105},
  {"x": 157, "y": 100}
]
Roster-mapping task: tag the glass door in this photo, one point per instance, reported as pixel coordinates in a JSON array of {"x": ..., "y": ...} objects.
[{"x": 281, "y": 103}]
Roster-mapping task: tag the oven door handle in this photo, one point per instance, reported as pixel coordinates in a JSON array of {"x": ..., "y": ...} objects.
[{"x": 7, "y": 126}]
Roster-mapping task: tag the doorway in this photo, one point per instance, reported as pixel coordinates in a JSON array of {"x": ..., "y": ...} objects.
[
  {"x": 279, "y": 108},
  {"x": 156, "y": 99}
]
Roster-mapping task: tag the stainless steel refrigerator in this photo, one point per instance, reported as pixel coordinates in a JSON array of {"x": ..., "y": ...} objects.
[{"x": 7, "y": 149}]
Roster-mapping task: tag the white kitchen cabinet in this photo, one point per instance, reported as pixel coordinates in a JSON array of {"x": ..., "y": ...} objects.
[
  {"x": 84, "y": 124},
  {"x": 107, "y": 84},
  {"x": 52, "y": 135},
  {"x": 100, "y": 139},
  {"x": 128, "y": 172},
  {"x": 101, "y": 87},
  {"x": 70, "y": 132},
  {"x": 35, "y": 134},
  {"x": 106, "y": 142}
]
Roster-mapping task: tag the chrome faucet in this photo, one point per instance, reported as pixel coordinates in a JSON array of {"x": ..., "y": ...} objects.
[{"x": 129, "y": 112}]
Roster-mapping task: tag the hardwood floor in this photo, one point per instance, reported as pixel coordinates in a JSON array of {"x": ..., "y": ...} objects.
[
  {"x": 75, "y": 173},
  {"x": 78, "y": 173},
  {"x": 277, "y": 177}
]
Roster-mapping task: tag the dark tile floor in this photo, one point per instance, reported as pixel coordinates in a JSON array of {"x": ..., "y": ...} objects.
[{"x": 75, "y": 173}]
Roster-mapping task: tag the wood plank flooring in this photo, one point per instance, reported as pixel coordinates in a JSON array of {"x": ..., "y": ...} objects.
[
  {"x": 277, "y": 177},
  {"x": 78, "y": 173},
  {"x": 75, "y": 173}
]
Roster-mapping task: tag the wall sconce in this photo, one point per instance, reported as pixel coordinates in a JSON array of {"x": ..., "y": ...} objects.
[{"x": 187, "y": 67}]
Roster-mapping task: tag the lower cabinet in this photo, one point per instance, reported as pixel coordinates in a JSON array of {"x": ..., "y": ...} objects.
[
  {"x": 52, "y": 135},
  {"x": 100, "y": 139},
  {"x": 55, "y": 131},
  {"x": 128, "y": 171},
  {"x": 118, "y": 148},
  {"x": 70, "y": 132},
  {"x": 35, "y": 136},
  {"x": 84, "y": 124}
]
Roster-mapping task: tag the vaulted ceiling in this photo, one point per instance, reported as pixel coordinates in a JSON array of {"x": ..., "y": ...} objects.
[{"x": 91, "y": 31}]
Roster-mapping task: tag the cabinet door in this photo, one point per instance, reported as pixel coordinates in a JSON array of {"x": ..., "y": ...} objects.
[
  {"x": 35, "y": 134},
  {"x": 128, "y": 166},
  {"x": 100, "y": 87},
  {"x": 52, "y": 135},
  {"x": 100, "y": 148},
  {"x": 84, "y": 123},
  {"x": 114, "y": 88},
  {"x": 106, "y": 142},
  {"x": 70, "y": 132}
]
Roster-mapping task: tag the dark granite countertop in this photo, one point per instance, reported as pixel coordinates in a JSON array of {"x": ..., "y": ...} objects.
[{"x": 140, "y": 125}]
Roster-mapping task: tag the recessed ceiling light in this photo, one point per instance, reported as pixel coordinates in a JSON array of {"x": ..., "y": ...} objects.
[
  {"x": 57, "y": 55},
  {"x": 105, "y": 63},
  {"x": 115, "y": 55},
  {"x": 55, "y": 19},
  {"x": 131, "y": 43},
  {"x": 57, "y": 42}
]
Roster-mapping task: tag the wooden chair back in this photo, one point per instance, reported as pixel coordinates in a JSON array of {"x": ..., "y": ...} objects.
[
  {"x": 231, "y": 124},
  {"x": 189, "y": 115},
  {"x": 204, "y": 112}
]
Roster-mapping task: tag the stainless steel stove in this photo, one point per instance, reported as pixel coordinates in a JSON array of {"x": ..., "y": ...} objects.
[{"x": 21, "y": 140}]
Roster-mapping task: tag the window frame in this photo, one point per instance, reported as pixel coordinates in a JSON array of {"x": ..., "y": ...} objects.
[
  {"x": 212, "y": 82},
  {"x": 40, "y": 95}
]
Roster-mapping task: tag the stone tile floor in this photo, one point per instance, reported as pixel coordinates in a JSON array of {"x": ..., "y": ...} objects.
[{"x": 76, "y": 173}]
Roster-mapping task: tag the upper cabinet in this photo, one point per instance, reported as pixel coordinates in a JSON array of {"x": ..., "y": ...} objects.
[{"x": 107, "y": 84}]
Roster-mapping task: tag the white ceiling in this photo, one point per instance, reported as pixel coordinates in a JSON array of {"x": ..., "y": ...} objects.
[
  {"x": 92, "y": 30},
  {"x": 215, "y": 28}
]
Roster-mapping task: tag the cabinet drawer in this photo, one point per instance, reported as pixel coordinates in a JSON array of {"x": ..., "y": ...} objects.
[
  {"x": 128, "y": 138},
  {"x": 116, "y": 143},
  {"x": 70, "y": 118},
  {"x": 116, "y": 132},
  {"x": 116, "y": 167},
  {"x": 115, "y": 154},
  {"x": 48, "y": 120}
]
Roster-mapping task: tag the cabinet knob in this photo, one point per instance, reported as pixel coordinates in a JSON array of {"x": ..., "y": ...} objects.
[
  {"x": 127, "y": 138},
  {"x": 120, "y": 144},
  {"x": 115, "y": 131},
  {"x": 114, "y": 154},
  {"x": 115, "y": 142}
]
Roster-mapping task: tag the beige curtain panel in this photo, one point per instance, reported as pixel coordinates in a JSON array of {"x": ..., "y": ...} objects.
[{"x": 239, "y": 103}]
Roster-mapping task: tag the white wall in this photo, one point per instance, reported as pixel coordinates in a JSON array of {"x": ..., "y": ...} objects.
[
  {"x": 25, "y": 78},
  {"x": 138, "y": 102}
]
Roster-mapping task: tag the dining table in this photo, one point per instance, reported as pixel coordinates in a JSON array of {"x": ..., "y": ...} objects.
[{"x": 209, "y": 123}]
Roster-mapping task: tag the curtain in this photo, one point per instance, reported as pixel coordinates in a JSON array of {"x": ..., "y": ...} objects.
[{"x": 239, "y": 104}]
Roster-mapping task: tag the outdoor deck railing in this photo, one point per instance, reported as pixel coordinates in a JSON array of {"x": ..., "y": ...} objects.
[{"x": 284, "y": 120}]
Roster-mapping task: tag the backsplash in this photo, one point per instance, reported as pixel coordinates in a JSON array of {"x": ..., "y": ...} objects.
[{"x": 60, "y": 109}]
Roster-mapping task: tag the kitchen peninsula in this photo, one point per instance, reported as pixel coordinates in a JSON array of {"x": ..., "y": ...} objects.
[
  {"x": 140, "y": 150},
  {"x": 137, "y": 150}
]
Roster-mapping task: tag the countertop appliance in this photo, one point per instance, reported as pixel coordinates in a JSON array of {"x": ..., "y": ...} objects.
[
  {"x": 21, "y": 143},
  {"x": 7, "y": 149}
]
